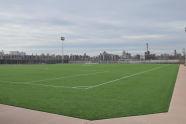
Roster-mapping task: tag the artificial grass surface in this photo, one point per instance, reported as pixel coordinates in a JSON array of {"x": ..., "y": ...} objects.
[{"x": 60, "y": 89}]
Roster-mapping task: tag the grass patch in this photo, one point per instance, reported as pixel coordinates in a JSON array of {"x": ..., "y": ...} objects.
[{"x": 61, "y": 89}]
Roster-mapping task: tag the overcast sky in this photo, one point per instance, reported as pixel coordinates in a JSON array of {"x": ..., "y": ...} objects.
[{"x": 92, "y": 26}]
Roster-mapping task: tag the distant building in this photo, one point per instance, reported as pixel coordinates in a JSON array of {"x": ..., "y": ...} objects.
[
  {"x": 137, "y": 57},
  {"x": 86, "y": 57},
  {"x": 1, "y": 53},
  {"x": 108, "y": 57},
  {"x": 125, "y": 55},
  {"x": 142, "y": 57},
  {"x": 175, "y": 53},
  {"x": 17, "y": 53},
  {"x": 16, "y": 57}
]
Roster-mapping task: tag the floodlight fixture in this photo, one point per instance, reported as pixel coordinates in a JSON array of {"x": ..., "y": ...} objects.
[
  {"x": 62, "y": 49},
  {"x": 62, "y": 38}
]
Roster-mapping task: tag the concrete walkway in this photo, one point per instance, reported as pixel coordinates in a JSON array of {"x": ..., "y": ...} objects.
[
  {"x": 16, "y": 115},
  {"x": 176, "y": 114}
]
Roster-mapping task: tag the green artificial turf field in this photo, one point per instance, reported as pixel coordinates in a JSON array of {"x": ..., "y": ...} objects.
[{"x": 89, "y": 91}]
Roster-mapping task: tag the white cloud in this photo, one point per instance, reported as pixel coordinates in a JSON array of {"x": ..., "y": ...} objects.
[
  {"x": 95, "y": 25},
  {"x": 146, "y": 36}
]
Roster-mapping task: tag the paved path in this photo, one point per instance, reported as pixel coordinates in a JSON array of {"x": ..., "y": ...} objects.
[
  {"x": 16, "y": 115},
  {"x": 176, "y": 114}
]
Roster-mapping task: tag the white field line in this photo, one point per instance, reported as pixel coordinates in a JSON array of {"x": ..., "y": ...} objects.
[
  {"x": 81, "y": 87},
  {"x": 44, "y": 69},
  {"x": 84, "y": 87},
  {"x": 45, "y": 85},
  {"x": 93, "y": 86},
  {"x": 89, "y": 70},
  {"x": 78, "y": 87},
  {"x": 139, "y": 73},
  {"x": 60, "y": 77}
]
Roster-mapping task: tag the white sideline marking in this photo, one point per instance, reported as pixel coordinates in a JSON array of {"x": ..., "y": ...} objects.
[
  {"x": 76, "y": 87},
  {"x": 55, "y": 86},
  {"x": 84, "y": 87},
  {"x": 93, "y": 86},
  {"x": 139, "y": 73},
  {"x": 45, "y": 85},
  {"x": 61, "y": 77},
  {"x": 81, "y": 87}
]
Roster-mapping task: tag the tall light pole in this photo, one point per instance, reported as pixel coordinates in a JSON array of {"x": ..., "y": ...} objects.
[
  {"x": 62, "y": 52},
  {"x": 184, "y": 54},
  {"x": 184, "y": 50}
]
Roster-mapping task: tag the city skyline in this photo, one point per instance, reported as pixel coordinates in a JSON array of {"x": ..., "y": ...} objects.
[
  {"x": 17, "y": 57},
  {"x": 23, "y": 53},
  {"x": 92, "y": 26}
]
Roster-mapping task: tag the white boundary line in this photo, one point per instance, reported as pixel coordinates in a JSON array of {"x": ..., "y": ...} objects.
[
  {"x": 60, "y": 77},
  {"x": 78, "y": 87},
  {"x": 128, "y": 76},
  {"x": 93, "y": 86},
  {"x": 45, "y": 85},
  {"x": 84, "y": 87}
]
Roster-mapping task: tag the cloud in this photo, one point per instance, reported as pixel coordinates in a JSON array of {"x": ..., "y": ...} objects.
[
  {"x": 146, "y": 36},
  {"x": 92, "y": 26}
]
